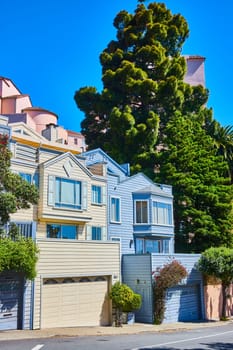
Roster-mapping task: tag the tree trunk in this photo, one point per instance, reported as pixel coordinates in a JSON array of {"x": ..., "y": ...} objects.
[{"x": 224, "y": 300}]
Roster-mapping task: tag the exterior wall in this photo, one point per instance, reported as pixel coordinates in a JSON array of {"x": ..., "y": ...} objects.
[
  {"x": 195, "y": 70},
  {"x": 41, "y": 117},
  {"x": 64, "y": 258},
  {"x": 126, "y": 229},
  {"x": 7, "y": 88},
  {"x": 126, "y": 188},
  {"x": 96, "y": 214},
  {"x": 188, "y": 261},
  {"x": 137, "y": 272},
  {"x": 24, "y": 214},
  {"x": 27, "y": 305},
  {"x": 22, "y": 102},
  {"x": 213, "y": 301}
]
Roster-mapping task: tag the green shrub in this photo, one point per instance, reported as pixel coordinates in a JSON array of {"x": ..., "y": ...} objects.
[
  {"x": 124, "y": 300},
  {"x": 166, "y": 277}
]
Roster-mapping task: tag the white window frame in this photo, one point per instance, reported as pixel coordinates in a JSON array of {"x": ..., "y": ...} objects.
[
  {"x": 135, "y": 211},
  {"x": 112, "y": 219},
  {"x": 102, "y": 195},
  {"x": 52, "y": 194}
]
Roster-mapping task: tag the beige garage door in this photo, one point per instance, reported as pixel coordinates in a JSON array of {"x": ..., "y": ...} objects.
[{"x": 69, "y": 302}]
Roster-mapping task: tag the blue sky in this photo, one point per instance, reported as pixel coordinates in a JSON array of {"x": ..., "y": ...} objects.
[{"x": 50, "y": 48}]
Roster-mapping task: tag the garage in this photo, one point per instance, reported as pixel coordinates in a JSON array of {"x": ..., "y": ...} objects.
[
  {"x": 75, "y": 301},
  {"x": 11, "y": 292},
  {"x": 183, "y": 304}
]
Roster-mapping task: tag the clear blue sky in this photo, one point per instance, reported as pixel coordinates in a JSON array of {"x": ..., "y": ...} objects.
[{"x": 50, "y": 48}]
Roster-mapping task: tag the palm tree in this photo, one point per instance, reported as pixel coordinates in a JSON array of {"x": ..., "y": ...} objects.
[{"x": 223, "y": 141}]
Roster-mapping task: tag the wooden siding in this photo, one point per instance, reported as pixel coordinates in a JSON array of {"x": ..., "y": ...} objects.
[
  {"x": 136, "y": 273},
  {"x": 126, "y": 228},
  {"x": 96, "y": 213},
  {"x": 24, "y": 214},
  {"x": 187, "y": 260},
  {"x": 63, "y": 258},
  {"x": 27, "y": 305}
]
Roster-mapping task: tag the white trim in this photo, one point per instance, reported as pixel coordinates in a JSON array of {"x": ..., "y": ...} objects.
[{"x": 110, "y": 211}]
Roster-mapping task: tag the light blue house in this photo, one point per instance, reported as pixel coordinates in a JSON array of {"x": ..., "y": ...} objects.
[
  {"x": 140, "y": 217},
  {"x": 140, "y": 212}
]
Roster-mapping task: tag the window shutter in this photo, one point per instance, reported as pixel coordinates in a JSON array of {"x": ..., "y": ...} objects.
[
  {"x": 36, "y": 180},
  {"x": 89, "y": 232},
  {"x": 104, "y": 233},
  {"x": 103, "y": 190},
  {"x": 84, "y": 195},
  {"x": 51, "y": 190}
]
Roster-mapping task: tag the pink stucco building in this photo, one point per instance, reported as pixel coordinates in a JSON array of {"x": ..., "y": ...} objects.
[
  {"x": 18, "y": 108},
  {"x": 195, "y": 74}
]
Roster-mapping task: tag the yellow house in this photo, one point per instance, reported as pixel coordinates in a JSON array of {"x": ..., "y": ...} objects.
[{"x": 77, "y": 265}]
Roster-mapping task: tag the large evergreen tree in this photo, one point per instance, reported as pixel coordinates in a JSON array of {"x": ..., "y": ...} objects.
[
  {"x": 144, "y": 97},
  {"x": 202, "y": 191},
  {"x": 143, "y": 86}
]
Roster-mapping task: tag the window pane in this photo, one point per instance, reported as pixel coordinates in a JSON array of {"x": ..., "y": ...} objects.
[
  {"x": 68, "y": 232},
  {"x": 152, "y": 246},
  {"x": 96, "y": 194},
  {"x": 141, "y": 212},
  {"x": 96, "y": 233},
  {"x": 26, "y": 177},
  {"x": 165, "y": 246},
  {"x": 53, "y": 231},
  {"x": 61, "y": 231},
  {"x": 162, "y": 213},
  {"x": 144, "y": 212},
  {"x": 139, "y": 246},
  {"x": 115, "y": 209},
  {"x": 68, "y": 193}
]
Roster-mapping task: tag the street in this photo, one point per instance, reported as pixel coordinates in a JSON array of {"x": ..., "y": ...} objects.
[{"x": 208, "y": 338}]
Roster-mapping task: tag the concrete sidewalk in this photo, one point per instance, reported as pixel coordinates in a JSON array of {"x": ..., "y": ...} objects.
[{"x": 135, "y": 328}]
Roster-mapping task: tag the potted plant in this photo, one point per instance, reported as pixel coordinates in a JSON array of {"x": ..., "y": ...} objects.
[{"x": 124, "y": 300}]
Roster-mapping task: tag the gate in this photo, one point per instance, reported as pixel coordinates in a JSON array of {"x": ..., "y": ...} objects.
[{"x": 11, "y": 289}]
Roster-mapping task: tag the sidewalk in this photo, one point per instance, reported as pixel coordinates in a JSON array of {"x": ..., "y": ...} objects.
[{"x": 136, "y": 328}]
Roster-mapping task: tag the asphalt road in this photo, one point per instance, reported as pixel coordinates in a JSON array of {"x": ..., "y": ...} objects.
[{"x": 214, "y": 338}]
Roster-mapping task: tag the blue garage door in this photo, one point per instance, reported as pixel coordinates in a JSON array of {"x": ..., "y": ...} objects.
[
  {"x": 183, "y": 304},
  {"x": 10, "y": 297}
]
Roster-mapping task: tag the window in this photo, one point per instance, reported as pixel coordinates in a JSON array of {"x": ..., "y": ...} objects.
[
  {"x": 26, "y": 177},
  {"x": 32, "y": 179},
  {"x": 96, "y": 233},
  {"x": 61, "y": 231},
  {"x": 162, "y": 213},
  {"x": 115, "y": 209},
  {"x": 96, "y": 194},
  {"x": 68, "y": 193},
  {"x": 141, "y": 212},
  {"x": 145, "y": 246}
]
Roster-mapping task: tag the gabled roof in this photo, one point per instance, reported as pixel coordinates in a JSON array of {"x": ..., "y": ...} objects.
[
  {"x": 152, "y": 186},
  {"x": 26, "y": 131},
  {"x": 106, "y": 158},
  {"x": 67, "y": 155}
]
